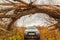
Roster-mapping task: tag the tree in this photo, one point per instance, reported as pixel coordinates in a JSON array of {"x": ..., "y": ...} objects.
[{"x": 25, "y": 9}]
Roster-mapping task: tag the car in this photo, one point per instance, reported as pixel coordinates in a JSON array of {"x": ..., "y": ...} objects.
[{"x": 31, "y": 33}]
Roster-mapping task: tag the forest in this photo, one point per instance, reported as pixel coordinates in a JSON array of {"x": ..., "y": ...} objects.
[{"x": 17, "y": 16}]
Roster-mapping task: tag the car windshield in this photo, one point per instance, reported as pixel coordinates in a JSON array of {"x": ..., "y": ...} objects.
[{"x": 32, "y": 27}]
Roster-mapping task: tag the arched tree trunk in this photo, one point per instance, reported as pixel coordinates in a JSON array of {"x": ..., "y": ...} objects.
[{"x": 50, "y": 10}]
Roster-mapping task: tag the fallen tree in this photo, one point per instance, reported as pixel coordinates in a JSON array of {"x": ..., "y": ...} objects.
[{"x": 19, "y": 11}]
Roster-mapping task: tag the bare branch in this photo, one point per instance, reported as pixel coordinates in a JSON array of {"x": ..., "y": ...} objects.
[
  {"x": 44, "y": 9},
  {"x": 4, "y": 30},
  {"x": 7, "y": 16}
]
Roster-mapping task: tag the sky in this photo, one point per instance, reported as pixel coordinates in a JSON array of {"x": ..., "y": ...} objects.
[{"x": 37, "y": 19}]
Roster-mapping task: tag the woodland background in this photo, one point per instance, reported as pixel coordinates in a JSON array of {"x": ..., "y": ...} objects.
[{"x": 8, "y": 8}]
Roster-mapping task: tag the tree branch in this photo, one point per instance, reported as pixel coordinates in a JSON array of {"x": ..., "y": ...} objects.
[
  {"x": 40, "y": 9},
  {"x": 4, "y": 30}
]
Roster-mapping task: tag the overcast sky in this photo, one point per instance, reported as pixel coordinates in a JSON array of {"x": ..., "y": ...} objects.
[{"x": 38, "y": 19}]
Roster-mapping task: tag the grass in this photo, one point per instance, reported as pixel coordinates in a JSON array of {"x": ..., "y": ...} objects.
[{"x": 45, "y": 34}]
